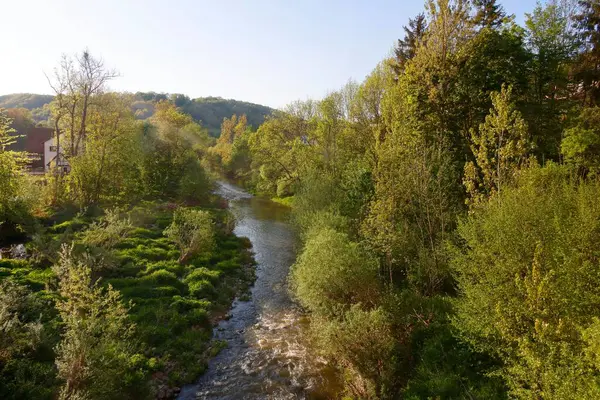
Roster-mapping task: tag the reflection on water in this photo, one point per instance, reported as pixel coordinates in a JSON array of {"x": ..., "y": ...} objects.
[{"x": 268, "y": 356}]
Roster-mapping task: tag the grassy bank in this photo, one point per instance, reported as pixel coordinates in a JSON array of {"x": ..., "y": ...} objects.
[{"x": 173, "y": 305}]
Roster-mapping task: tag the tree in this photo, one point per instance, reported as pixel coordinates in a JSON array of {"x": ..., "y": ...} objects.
[
  {"x": 500, "y": 147},
  {"x": 406, "y": 48},
  {"x": 76, "y": 81},
  {"x": 109, "y": 168},
  {"x": 332, "y": 273},
  {"x": 22, "y": 119},
  {"x": 527, "y": 269},
  {"x": 173, "y": 145},
  {"x": 192, "y": 231},
  {"x": 231, "y": 129},
  {"x": 282, "y": 149},
  {"x": 581, "y": 143},
  {"x": 489, "y": 14},
  {"x": 552, "y": 41},
  {"x": 14, "y": 208},
  {"x": 489, "y": 60},
  {"x": 93, "y": 357},
  {"x": 587, "y": 68}
]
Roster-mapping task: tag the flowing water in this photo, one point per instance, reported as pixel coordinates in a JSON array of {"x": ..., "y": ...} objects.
[{"x": 268, "y": 354}]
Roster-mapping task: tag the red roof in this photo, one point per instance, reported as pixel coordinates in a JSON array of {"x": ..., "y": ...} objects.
[
  {"x": 35, "y": 138},
  {"x": 34, "y": 143}
]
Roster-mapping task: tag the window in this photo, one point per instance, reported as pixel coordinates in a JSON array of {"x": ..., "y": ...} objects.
[{"x": 53, "y": 148}]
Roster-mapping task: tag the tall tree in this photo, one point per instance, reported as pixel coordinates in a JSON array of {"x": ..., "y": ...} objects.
[
  {"x": 489, "y": 14},
  {"x": 76, "y": 81},
  {"x": 588, "y": 66},
  {"x": 407, "y": 48},
  {"x": 553, "y": 43}
]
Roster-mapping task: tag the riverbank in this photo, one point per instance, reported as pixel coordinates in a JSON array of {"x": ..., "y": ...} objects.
[
  {"x": 173, "y": 304},
  {"x": 268, "y": 353}
]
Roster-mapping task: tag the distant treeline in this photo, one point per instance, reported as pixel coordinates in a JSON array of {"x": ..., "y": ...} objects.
[{"x": 208, "y": 111}]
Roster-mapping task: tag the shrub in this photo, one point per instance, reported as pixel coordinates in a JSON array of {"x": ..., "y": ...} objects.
[
  {"x": 332, "y": 273},
  {"x": 93, "y": 356},
  {"x": 108, "y": 231},
  {"x": 192, "y": 231},
  {"x": 528, "y": 272},
  {"x": 362, "y": 341}
]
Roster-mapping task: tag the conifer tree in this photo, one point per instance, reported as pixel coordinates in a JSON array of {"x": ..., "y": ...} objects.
[
  {"x": 407, "y": 47},
  {"x": 489, "y": 14}
]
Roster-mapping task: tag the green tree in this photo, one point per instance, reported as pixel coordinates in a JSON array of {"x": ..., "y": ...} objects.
[
  {"x": 406, "y": 48},
  {"x": 500, "y": 146},
  {"x": 332, "y": 273},
  {"x": 94, "y": 357},
  {"x": 581, "y": 143},
  {"x": 527, "y": 274},
  {"x": 15, "y": 214},
  {"x": 282, "y": 149},
  {"x": 489, "y": 14},
  {"x": 109, "y": 168},
  {"x": 552, "y": 42},
  {"x": 587, "y": 68}
]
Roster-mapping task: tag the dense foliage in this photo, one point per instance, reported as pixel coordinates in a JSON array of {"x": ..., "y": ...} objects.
[
  {"x": 448, "y": 206},
  {"x": 129, "y": 257}
]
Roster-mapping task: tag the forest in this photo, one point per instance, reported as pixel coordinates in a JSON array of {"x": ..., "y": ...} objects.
[{"x": 448, "y": 208}]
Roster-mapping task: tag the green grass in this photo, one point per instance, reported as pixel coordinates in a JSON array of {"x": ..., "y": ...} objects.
[{"x": 172, "y": 305}]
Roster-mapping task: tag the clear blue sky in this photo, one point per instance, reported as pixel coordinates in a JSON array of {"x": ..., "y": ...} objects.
[{"x": 265, "y": 51}]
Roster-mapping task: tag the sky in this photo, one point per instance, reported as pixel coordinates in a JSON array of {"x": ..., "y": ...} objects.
[{"x": 270, "y": 52}]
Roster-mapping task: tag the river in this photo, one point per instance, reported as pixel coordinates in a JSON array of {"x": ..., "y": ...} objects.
[{"x": 268, "y": 354}]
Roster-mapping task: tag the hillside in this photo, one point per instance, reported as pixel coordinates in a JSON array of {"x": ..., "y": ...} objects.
[
  {"x": 24, "y": 100},
  {"x": 209, "y": 111}
]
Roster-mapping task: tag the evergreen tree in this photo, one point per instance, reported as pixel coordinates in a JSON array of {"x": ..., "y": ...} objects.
[
  {"x": 489, "y": 14},
  {"x": 407, "y": 47}
]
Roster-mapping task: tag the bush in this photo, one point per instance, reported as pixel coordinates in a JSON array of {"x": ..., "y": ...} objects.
[
  {"x": 528, "y": 272},
  {"x": 108, "y": 231},
  {"x": 364, "y": 342},
  {"x": 192, "y": 231},
  {"x": 332, "y": 273}
]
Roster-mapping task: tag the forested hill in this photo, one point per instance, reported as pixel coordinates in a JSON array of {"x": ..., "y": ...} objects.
[
  {"x": 24, "y": 100},
  {"x": 209, "y": 111}
]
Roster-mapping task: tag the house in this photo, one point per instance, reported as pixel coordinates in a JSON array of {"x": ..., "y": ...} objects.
[
  {"x": 35, "y": 139},
  {"x": 52, "y": 154}
]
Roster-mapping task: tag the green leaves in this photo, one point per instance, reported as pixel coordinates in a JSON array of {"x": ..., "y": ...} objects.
[
  {"x": 528, "y": 278},
  {"x": 192, "y": 231},
  {"x": 581, "y": 143},
  {"x": 500, "y": 146},
  {"x": 97, "y": 344}
]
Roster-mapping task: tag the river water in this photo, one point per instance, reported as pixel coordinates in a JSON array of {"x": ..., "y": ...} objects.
[{"x": 268, "y": 354}]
